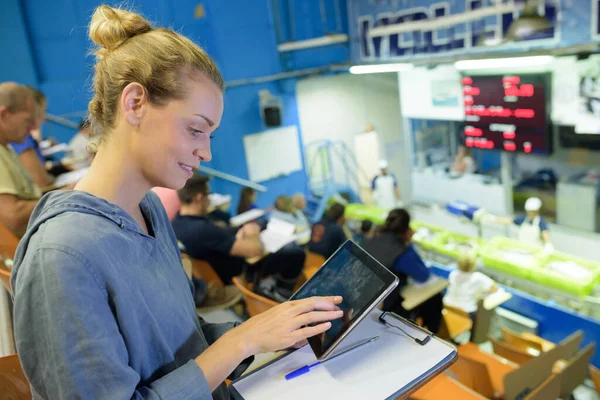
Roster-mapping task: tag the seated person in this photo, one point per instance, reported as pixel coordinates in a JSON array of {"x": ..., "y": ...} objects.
[
  {"x": 299, "y": 204},
  {"x": 247, "y": 200},
  {"x": 464, "y": 162},
  {"x": 18, "y": 192},
  {"x": 367, "y": 230},
  {"x": 467, "y": 286},
  {"x": 29, "y": 150},
  {"x": 225, "y": 249},
  {"x": 80, "y": 156},
  {"x": 392, "y": 247},
  {"x": 284, "y": 209},
  {"x": 328, "y": 234}
]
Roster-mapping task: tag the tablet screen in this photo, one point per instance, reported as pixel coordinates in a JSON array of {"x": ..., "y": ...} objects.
[{"x": 358, "y": 278}]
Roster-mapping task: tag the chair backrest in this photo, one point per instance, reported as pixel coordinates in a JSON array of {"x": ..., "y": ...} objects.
[
  {"x": 570, "y": 345},
  {"x": 8, "y": 242},
  {"x": 514, "y": 339},
  {"x": 474, "y": 375},
  {"x": 595, "y": 375},
  {"x": 255, "y": 303},
  {"x": 549, "y": 389},
  {"x": 510, "y": 352},
  {"x": 13, "y": 382},
  {"x": 453, "y": 325},
  {"x": 575, "y": 372},
  {"x": 313, "y": 260},
  {"x": 456, "y": 310},
  {"x": 202, "y": 269},
  {"x": 531, "y": 374},
  {"x": 5, "y": 278},
  {"x": 187, "y": 266}
]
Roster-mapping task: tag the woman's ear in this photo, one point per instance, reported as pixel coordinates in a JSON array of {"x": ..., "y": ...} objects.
[{"x": 133, "y": 101}]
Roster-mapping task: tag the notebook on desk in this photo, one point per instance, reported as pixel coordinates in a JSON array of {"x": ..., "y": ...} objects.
[
  {"x": 394, "y": 366},
  {"x": 278, "y": 234}
]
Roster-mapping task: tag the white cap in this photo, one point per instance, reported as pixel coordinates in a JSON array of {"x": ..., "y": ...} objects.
[
  {"x": 533, "y": 204},
  {"x": 383, "y": 164}
]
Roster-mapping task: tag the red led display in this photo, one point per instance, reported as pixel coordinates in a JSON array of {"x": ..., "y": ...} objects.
[{"x": 507, "y": 112}]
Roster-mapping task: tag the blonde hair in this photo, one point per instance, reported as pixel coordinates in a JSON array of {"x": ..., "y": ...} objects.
[
  {"x": 466, "y": 262},
  {"x": 284, "y": 203},
  {"x": 131, "y": 50}
]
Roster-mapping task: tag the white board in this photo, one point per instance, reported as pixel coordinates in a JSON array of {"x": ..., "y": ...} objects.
[{"x": 272, "y": 153}]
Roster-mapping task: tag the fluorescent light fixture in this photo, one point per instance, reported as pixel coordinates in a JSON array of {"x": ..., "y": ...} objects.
[
  {"x": 496, "y": 63},
  {"x": 379, "y": 68}
]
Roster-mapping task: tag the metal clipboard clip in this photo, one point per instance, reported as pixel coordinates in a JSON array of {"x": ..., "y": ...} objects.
[{"x": 422, "y": 342}]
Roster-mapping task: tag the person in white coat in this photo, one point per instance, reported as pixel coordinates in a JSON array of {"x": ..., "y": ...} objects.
[
  {"x": 385, "y": 188},
  {"x": 533, "y": 229}
]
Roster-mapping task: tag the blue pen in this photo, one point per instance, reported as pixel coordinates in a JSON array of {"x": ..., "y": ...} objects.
[{"x": 306, "y": 368}]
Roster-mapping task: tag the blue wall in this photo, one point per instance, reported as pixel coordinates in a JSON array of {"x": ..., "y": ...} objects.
[
  {"x": 239, "y": 34},
  {"x": 14, "y": 43}
]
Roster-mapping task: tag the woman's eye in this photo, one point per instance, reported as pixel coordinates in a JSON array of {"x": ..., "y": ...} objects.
[{"x": 195, "y": 132}]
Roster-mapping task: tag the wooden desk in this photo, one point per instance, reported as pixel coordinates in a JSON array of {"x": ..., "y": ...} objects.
[
  {"x": 416, "y": 294},
  {"x": 495, "y": 299}
]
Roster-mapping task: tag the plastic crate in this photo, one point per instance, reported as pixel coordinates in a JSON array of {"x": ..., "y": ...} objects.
[
  {"x": 430, "y": 244},
  {"x": 360, "y": 212},
  {"x": 492, "y": 255},
  {"x": 441, "y": 245},
  {"x": 578, "y": 284}
]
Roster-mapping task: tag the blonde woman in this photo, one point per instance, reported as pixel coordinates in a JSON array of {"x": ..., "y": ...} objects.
[
  {"x": 467, "y": 286},
  {"x": 102, "y": 307}
]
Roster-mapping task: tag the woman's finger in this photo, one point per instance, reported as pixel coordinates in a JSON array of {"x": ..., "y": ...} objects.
[
  {"x": 314, "y": 303},
  {"x": 310, "y": 331},
  {"x": 316, "y": 316}
]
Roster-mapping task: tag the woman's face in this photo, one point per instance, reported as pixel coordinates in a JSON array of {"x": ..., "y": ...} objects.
[{"x": 174, "y": 139}]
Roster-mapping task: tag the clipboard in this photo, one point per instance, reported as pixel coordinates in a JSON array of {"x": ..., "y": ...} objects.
[{"x": 392, "y": 367}]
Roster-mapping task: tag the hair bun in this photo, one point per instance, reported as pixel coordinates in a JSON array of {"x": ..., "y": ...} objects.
[{"x": 110, "y": 27}]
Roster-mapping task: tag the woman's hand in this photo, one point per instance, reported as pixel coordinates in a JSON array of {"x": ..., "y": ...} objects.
[{"x": 286, "y": 324}]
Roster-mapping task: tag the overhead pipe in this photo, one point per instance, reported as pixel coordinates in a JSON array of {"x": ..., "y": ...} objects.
[{"x": 231, "y": 178}]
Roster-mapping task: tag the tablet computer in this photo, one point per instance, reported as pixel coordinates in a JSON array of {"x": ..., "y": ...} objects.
[{"x": 361, "y": 281}]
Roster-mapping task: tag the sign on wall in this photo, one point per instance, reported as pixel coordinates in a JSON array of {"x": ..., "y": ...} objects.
[{"x": 575, "y": 22}]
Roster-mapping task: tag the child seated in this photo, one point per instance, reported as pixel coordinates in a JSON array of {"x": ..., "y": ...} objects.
[
  {"x": 367, "y": 230},
  {"x": 467, "y": 286}
]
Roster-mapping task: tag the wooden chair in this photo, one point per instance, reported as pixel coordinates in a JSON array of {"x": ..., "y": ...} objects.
[
  {"x": 488, "y": 370},
  {"x": 8, "y": 242},
  {"x": 530, "y": 375},
  {"x": 255, "y": 303},
  {"x": 13, "y": 383},
  {"x": 444, "y": 387},
  {"x": 514, "y": 339},
  {"x": 575, "y": 372},
  {"x": 476, "y": 376},
  {"x": 202, "y": 269},
  {"x": 546, "y": 344},
  {"x": 454, "y": 324},
  {"x": 5, "y": 278},
  {"x": 548, "y": 390},
  {"x": 570, "y": 345},
  {"x": 595, "y": 375},
  {"x": 510, "y": 352},
  {"x": 187, "y": 266},
  {"x": 312, "y": 263},
  {"x": 8, "y": 247}
]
